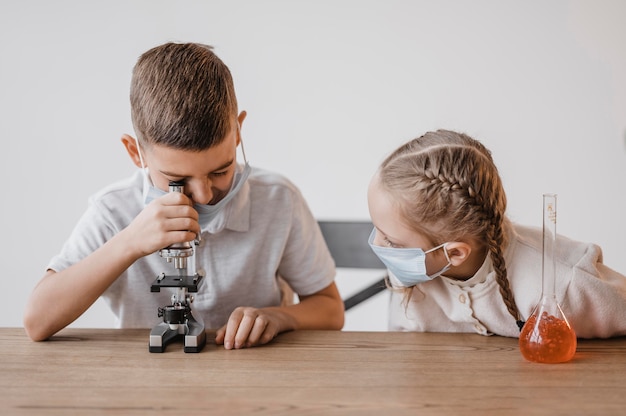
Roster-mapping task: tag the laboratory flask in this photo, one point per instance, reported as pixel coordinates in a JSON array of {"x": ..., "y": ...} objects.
[{"x": 547, "y": 336}]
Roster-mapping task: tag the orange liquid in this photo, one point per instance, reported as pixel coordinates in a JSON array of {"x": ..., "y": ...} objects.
[{"x": 551, "y": 340}]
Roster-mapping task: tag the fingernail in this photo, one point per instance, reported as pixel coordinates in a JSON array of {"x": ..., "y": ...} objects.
[{"x": 228, "y": 345}]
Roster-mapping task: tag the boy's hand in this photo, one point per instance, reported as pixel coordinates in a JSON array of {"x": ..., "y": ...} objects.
[
  {"x": 164, "y": 221},
  {"x": 249, "y": 327}
]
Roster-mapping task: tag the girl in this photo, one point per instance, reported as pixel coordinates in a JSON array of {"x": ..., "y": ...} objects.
[{"x": 457, "y": 264}]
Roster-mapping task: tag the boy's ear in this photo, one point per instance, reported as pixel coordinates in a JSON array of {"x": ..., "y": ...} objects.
[
  {"x": 458, "y": 252},
  {"x": 130, "y": 144},
  {"x": 240, "y": 118}
]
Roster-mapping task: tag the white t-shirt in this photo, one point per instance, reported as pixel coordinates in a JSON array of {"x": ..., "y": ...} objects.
[
  {"x": 592, "y": 296},
  {"x": 265, "y": 232}
]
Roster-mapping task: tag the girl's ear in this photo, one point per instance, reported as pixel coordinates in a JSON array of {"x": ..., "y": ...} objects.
[
  {"x": 130, "y": 144},
  {"x": 458, "y": 252}
]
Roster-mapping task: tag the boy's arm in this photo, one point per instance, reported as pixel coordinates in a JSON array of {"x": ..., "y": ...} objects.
[
  {"x": 60, "y": 298},
  {"x": 248, "y": 326}
]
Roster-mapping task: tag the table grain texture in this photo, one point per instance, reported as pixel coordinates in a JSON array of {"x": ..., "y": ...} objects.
[{"x": 110, "y": 372}]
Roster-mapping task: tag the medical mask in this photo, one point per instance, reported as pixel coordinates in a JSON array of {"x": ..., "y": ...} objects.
[
  {"x": 408, "y": 265},
  {"x": 206, "y": 213}
]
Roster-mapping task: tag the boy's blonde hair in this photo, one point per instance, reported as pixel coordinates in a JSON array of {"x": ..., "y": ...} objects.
[
  {"x": 182, "y": 96},
  {"x": 448, "y": 188}
]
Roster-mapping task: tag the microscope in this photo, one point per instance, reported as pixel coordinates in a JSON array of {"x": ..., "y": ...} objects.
[{"x": 178, "y": 322}]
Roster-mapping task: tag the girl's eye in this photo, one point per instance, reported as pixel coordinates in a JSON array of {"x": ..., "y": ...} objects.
[
  {"x": 219, "y": 173},
  {"x": 388, "y": 243}
]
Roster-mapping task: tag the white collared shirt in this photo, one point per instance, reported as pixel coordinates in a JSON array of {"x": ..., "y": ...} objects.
[
  {"x": 266, "y": 231},
  {"x": 592, "y": 296}
]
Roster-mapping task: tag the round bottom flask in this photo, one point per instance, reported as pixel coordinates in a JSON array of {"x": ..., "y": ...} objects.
[{"x": 547, "y": 337}]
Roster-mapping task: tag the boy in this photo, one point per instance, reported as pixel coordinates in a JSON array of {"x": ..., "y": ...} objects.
[{"x": 254, "y": 227}]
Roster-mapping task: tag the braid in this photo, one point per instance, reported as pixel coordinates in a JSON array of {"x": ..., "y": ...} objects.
[
  {"x": 495, "y": 249},
  {"x": 448, "y": 177},
  {"x": 493, "y": 209}
]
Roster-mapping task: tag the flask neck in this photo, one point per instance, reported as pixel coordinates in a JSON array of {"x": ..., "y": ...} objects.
[{"x": 548, "y": 264}]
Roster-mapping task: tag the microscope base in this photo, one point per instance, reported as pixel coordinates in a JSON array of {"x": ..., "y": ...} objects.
[{"x": 193, "y": 335}]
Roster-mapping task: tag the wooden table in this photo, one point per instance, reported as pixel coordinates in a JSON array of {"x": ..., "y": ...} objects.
[{"x": 110, "y": 371}]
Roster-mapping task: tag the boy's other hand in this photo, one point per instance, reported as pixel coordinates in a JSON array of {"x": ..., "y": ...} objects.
[{"x": 249, "y": 327}]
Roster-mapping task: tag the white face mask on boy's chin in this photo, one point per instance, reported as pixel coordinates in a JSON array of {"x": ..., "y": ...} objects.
[{"x": 207, "y": 213}]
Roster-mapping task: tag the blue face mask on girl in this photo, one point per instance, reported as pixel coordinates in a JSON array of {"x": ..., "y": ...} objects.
[{"x": 408, "y": 265}]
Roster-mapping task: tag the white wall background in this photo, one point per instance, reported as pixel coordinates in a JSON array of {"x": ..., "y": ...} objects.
[{"x": 330, "y": 87}]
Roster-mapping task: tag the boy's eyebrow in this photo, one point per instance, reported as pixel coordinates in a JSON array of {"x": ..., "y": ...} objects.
[{"x": 176, "y": 175}]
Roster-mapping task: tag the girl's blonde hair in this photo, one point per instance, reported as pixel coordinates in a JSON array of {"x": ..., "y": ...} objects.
[{"x": 448, "y": 188}]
